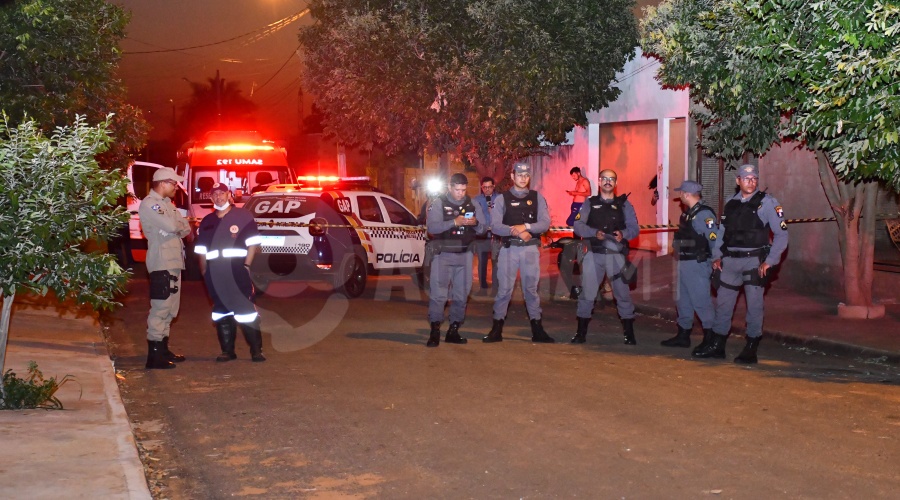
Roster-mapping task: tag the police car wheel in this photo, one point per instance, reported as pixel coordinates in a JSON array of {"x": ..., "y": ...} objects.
[
  {"x": 260, "y": 283},
  {"x": 351, "y": 278}
]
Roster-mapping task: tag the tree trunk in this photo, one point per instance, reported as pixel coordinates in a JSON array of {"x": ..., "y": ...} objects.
[
  {"x": 4, "y": 336},
  {"x": 854, "y": 208}
]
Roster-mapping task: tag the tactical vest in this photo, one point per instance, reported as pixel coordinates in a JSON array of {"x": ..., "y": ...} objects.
[
  {"x": 606, "y": 217},
  {"x": 458, "y": 238},
  {"x": 520, "y": 211},
  {"x": 689, "y": 244},
  {"x": 743, "y": 227}
]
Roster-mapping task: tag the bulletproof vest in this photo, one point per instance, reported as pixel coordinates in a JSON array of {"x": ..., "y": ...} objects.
[
  {"x": 521, "y": 210},
  {"x": 689, "y": 244},
  {"x": 458, "y": 238},
  {"x": 605, "y": 216},
  {"x": 743, "y": 227}
]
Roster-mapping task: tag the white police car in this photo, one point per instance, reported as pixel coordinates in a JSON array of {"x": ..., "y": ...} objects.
[{"x": 333, "y": 229}]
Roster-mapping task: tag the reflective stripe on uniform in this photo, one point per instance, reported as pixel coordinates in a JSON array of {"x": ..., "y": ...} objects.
[
  {"x": 212, "y": 254},
  {"x": 200, "y": 250},
  {"x": 246, "y": 318},
  {"x": 253, "y": 240},
  {"x": 234, "y": 252},
  {"x": 217, "y": 316}
]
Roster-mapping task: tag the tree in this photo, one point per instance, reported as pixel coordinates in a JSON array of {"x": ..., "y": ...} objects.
[
  {"x": 488, "y": 79},
  {"x": 59, "y": 59},
  {"x": 824, "y": 73},
  {"x": 216, "y": 105},
  {"x": 55, "y": 197}
]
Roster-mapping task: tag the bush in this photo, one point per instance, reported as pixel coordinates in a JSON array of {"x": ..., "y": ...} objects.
[{"x": 32, "y": 391}]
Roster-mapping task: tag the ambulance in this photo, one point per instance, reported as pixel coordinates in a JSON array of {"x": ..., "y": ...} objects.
[
  {"x": 337, "y": 230},
  {"x": 243, "y": 160}
]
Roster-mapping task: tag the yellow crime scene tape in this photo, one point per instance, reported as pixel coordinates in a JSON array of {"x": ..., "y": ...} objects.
[{"x": 643, "y": 227}]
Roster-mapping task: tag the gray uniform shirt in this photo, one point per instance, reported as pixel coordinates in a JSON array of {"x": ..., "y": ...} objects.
[
  {"x": 434, "y": 219},
  {"x": 501, "y": 229},
  {"x": 631, "y": 231},
  {"x": 163, "y": 227},
  {"x": 771, "y": 213}
]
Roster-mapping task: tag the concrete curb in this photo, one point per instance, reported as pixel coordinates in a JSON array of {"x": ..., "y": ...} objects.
[{"x": 818, "y": 343}]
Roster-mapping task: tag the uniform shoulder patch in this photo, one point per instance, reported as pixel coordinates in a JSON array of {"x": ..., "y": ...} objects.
[
  {"x": 712, "y": 236},
  {"x": 780, "y": 212},
  {"x": 578, "y": 216},
  {"x": 709, "y": 223},
  {"x": 783, "y": 226}
]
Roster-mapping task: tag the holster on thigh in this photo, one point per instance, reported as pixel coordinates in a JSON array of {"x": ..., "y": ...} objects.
[{"x": 162, "y": 284}]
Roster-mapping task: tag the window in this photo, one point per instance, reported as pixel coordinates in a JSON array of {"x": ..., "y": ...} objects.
[
  {"x": 369, "y": 209},
  {"x": 398, "y": 213}
]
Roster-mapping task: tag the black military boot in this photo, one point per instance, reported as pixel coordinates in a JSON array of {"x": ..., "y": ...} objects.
[
  {"x": 681, "y": 339},
  {"x": 496, "y": 333},
  {"x": 171, "y": 356},
  {"x": 434, "y": 338},
  {"x": 225, "y": 331},
  {"x": 453, "y": 334},
  {"x": 538, "y": 334},
  {"x": 715, "y": 349},
  {"x": 156, "y": 356},
  {"x": 254, "y": 339},
  {"x": 628, "y": 331},
  {"x": 708, "y": 336},
  {"x": 581, "y": 331},
  {"x": 748, "y": 353}
]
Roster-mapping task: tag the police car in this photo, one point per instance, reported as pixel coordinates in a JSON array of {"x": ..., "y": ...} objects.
[{"x": 337, "y": 230}]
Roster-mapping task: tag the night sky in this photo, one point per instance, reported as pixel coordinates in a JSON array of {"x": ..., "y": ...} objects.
[{"x": 155, "y": 81}]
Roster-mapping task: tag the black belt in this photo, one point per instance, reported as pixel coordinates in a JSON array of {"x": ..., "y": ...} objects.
[
  {"x": 517, "y": 242},
  {"x": 742, "y": 253}
]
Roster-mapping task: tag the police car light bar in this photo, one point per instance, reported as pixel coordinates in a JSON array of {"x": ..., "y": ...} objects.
[{"x": 330, "y": 178}]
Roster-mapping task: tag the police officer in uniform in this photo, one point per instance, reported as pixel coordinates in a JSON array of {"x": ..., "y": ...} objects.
[
  {"x": 227, "y": 242},
  {"x": 606, "y": 222},
  {"x": 164, "y": 227},
  {"x": 485, "y": 200},
  {"x": 453, "y": 220},
  {"x": 694, "y": 242},
  {"x": 744, "y": 257},
  {"x": 518, "y": 218}
]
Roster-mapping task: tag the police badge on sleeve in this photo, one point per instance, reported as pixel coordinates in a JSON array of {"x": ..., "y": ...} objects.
[{"x": 709, "y": 223}]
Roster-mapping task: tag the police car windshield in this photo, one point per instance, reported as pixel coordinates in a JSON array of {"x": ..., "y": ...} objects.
[{"x": 285, "y": 206}]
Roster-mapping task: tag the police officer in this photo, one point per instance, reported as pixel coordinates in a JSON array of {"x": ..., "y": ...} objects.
[
  {"x": 227, "y": 242},
  {"x": 453, "y": 220},
  {"x": 485, "y": 200},
  {"x": 694, "y": 241},
  {"x": 164, "y": 227},
  {"x": 744, "y": 257},
  {"x": 518, "y": 218},
  {"x": 606, "y": 222}
]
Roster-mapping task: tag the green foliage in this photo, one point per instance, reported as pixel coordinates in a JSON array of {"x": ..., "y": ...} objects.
[
  {"x": 487, "y": 78},
  {"x": 824, "y": 72},
  {"x": 32, "y": 391},
  {"x": 54, "y": 197},
  {"x": 59, "y": 59}
]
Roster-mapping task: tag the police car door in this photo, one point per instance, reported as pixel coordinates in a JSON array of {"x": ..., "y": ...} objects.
[
  {"x": 409, "y": 236},
  {"x": 385, "y": 247}
]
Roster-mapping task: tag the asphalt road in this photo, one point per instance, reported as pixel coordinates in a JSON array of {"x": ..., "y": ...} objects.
[{"x": 351, "y": 404}]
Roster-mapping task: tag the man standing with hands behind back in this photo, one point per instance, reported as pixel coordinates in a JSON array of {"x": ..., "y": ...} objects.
[
  {"x": 483, "y": 241},
  {"x": 163, "y": 227},
  {"x": 519, "y": 217}
]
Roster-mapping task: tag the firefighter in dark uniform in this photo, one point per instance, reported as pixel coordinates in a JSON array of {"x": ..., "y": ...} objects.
[
  {"x": 227, "y": 242},
  {"x": 744, "y": 257},
  {"x": 454, "y": 221},
  {"x": 694, "y": 242},
  {"x": 163, "y": 226},
  {"x": 606, "y": 222},
  {"x": 518, "y": 218}
]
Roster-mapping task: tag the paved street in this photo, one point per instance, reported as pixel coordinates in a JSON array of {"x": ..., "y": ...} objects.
[{"x": 351, "y": 404}]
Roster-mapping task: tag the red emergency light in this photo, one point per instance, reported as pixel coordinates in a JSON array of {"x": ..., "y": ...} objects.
[{"x": 239, "y": 147}]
